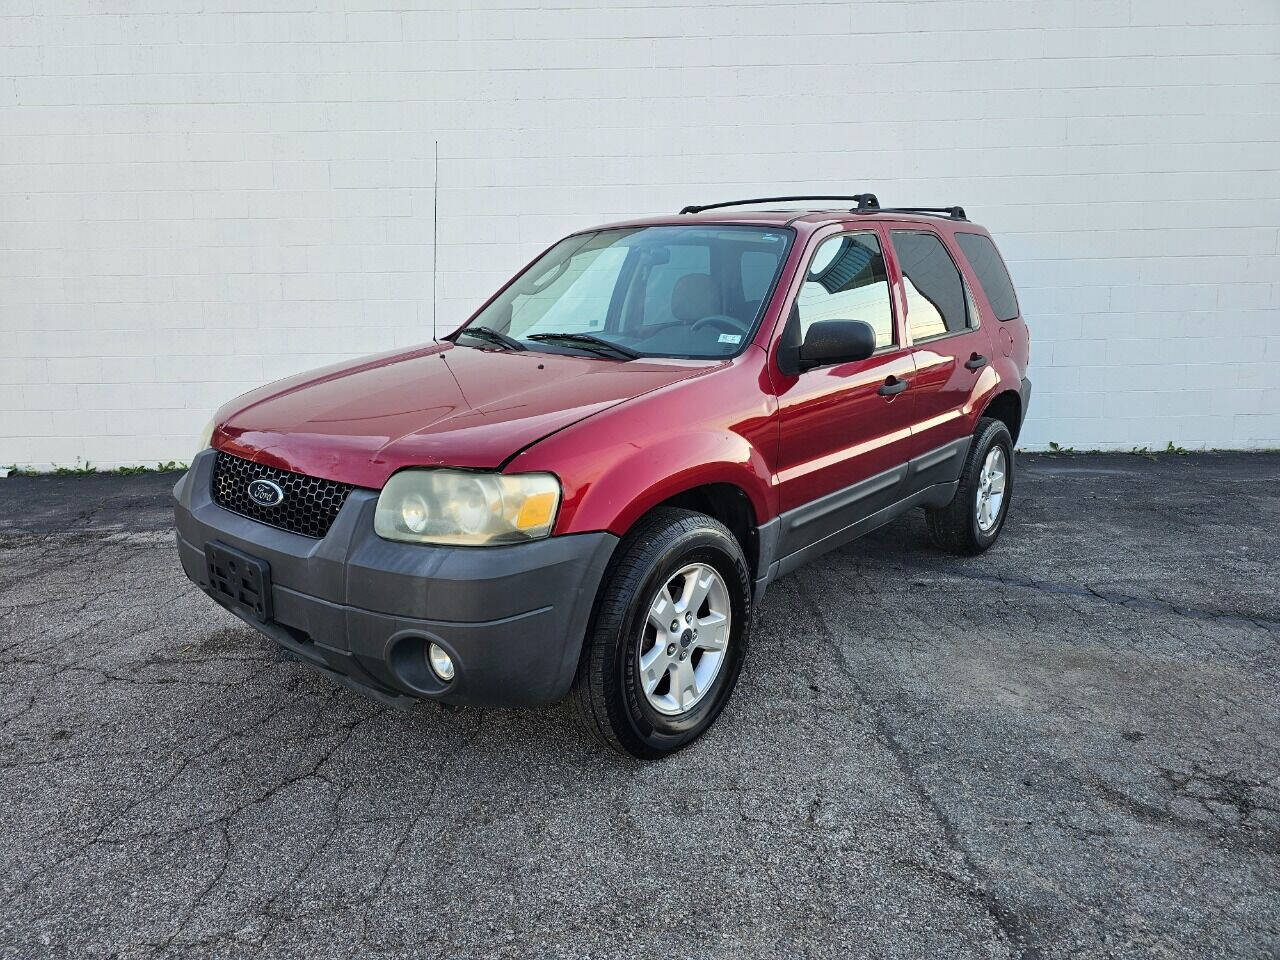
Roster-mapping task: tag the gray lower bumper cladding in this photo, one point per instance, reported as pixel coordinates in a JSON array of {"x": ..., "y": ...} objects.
[{"x": 512, "y": 618}]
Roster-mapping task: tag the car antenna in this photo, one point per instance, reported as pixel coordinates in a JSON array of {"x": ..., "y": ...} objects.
[{"x": 435, "y": 232}]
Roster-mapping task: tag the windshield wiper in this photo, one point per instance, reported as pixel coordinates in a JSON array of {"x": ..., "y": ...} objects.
[
  {"x": 493, "y": 336},
  {"x": 588, "y": 341}
]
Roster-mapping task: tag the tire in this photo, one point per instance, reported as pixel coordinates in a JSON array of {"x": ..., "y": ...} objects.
[
  {"x": 610, "y": 689},
  {"x": 958, "y": 527}
]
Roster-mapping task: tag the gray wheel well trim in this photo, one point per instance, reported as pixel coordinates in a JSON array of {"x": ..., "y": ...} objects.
[{"x": 1010, "y": 406}]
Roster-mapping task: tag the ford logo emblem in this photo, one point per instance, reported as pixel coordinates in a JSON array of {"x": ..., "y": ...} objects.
[{"x": 265, "y": 493}]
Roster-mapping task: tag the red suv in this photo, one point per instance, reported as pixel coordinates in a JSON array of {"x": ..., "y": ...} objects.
[{"x": 589, "y": 484}]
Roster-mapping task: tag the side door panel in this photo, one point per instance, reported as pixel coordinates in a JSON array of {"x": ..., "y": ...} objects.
[
  {"x": 843, "y": 445},
  {"x": 949, "y": 393},
  {"x": 950, "y": 348}
]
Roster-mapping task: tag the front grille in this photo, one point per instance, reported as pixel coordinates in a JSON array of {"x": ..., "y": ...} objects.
[{"x": 309, "y": 506}]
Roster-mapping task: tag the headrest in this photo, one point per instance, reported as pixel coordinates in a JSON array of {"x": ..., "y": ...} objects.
[{"x": 695, "y": 296}]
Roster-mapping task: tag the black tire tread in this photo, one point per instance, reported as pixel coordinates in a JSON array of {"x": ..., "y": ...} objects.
[
  {"x": 951, "y": 527},
  {"x": 652, "y": 535}
]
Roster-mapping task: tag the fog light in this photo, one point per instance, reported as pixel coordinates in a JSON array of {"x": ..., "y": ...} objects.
[{"x": 441, "y": 662}]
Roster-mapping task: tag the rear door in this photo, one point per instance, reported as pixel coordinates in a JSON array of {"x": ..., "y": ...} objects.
[
  {"x": 845, "y": 428},
  {"x": 990, "y": 279},
  {"x": 950, "y": 347}
]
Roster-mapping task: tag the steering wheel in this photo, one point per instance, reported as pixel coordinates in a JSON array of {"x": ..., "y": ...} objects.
[{"x": 722, "y": 322}]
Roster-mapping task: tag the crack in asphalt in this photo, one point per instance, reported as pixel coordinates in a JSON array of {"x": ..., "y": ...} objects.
[
  {"x": 1012, "y": 926},
  {"x": 1128, "y": 601},
  {"x": 1214, "y": 794}
]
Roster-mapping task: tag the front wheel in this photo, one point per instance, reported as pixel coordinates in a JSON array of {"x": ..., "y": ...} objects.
[
  {"x": 668, "y": 637},
  {"x": 972, "y": 521}
]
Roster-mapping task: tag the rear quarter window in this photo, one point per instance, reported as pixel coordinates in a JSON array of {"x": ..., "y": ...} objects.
[{"x": 985, "y": 260}]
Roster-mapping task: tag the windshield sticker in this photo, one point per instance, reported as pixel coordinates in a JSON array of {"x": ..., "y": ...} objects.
[{"x": 730, "y": 338}]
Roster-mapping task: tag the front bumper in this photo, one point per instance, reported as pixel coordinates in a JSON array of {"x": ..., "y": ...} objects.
[{"x": 513, "y": 618}]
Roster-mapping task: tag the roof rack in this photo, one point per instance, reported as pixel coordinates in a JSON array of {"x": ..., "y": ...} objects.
[
  {"x": 866, "y": 202},
  {"x": 952, "y": 213}
]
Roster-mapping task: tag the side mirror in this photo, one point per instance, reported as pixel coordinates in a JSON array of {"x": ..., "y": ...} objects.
[{"x": 836, "y": 341}]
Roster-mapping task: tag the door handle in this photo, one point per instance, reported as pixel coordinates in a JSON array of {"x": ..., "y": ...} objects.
[
  {"x": 976, "y": 361},
  {"x": 892, "y": 386}
]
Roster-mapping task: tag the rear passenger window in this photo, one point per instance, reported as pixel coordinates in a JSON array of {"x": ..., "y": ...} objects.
[
  {"x": 936, "y": 300},
  {"x": 985, "y": 260},
  {"x": 847, "y": 281}
]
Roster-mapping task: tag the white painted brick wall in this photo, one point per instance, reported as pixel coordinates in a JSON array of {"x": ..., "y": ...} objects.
[{"x": 197, "y": 196}]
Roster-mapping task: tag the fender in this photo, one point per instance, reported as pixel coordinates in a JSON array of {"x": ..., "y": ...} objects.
[
  {"x": 988, "y": 385},
  {"x": 639, "y": 481},
  {"x": 1008, "y": 380},
  {"x": 616, "y": 465}
]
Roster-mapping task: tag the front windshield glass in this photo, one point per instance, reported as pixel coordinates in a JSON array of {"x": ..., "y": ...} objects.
[{"x": 695, "y": 292}]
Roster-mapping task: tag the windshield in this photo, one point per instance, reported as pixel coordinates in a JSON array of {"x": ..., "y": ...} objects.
[{"x": 694, "y": 292}]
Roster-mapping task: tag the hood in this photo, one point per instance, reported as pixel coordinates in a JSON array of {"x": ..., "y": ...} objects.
[{"x": 441, "y": 405}]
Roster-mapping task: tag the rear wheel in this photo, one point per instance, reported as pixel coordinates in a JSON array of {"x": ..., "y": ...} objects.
[
  {"x": 668, "y": 637},
  {"x": 972, "y": 521}
]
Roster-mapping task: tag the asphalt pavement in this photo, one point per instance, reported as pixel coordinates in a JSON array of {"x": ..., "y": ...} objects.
[{"x": 1069, "y": 746}]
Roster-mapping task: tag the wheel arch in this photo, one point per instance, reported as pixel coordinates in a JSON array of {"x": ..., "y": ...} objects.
[
  {"x": 727, "y": 503},
  {"x": 1006, "y": 406}
]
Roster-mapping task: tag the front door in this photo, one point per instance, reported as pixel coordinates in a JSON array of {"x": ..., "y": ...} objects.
[{"x": 845, "y": 429}]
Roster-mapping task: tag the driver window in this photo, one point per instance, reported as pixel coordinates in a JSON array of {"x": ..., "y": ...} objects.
[{"x": 847, "y": 280}]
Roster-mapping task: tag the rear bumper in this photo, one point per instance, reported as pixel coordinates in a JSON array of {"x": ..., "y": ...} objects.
[
  {"x": 1025, "y": 392},
  {"x": 513, "y": 618}
]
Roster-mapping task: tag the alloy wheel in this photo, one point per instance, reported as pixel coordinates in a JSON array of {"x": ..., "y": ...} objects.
[
  {"x": 991, "y": 488},
  {"x": 684, "y": 639}
]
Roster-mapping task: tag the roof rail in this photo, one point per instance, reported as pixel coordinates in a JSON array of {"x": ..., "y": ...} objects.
[
  {"x": 867, "y": 202},
  {"x": 953, "y": 213}
]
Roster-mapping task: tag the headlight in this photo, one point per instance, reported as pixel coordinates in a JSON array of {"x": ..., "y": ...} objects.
[
  {"x": 206, "y": 436},
  {"x": 468, "y": 509}
]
